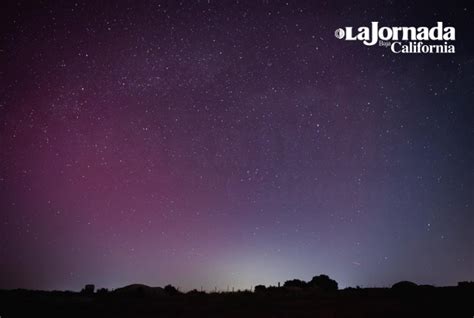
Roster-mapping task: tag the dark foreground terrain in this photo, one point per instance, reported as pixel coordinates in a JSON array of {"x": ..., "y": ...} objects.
[{"x": 422, "y": 301}]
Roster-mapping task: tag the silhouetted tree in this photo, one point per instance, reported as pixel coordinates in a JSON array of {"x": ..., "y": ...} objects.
[
  {"x": 295, "y": 283},
  {"x": 323, "y": 282},
  {"x": 196, "y": 292},
  {"x": 404, "y": 285},
  {"x": 171, "y": 290},
  {"x": 405, "y": 288},
  {"x": 88, "y": 289},
  {"x": 102, "y": 291},
  {"x": 260, "y": 289},
  {"x": 466, "y": 284}
]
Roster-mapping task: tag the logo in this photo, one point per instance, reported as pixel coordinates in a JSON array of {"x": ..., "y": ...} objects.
[
  {"x": 436, "y": 39},
  {"x": 339, "y": 33}
]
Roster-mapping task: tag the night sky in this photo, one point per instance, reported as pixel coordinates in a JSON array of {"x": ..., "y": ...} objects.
[{"x": 221, "y": 144}]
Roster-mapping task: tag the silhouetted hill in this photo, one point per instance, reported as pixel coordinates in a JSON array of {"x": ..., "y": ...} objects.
[{"x": 139, "y": 289}]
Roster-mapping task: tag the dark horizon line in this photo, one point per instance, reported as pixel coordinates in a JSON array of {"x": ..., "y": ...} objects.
[{"x": 230, "y": 289}]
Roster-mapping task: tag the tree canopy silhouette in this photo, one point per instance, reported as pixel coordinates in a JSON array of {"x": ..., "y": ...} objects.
[
  {"x": 171, "y": 290},
  {"x": 295, "y": 283},
  {"x": 324, "y": 282}
]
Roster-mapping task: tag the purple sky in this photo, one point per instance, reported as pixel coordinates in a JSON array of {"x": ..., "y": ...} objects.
[{"x": 231, "y": 144}]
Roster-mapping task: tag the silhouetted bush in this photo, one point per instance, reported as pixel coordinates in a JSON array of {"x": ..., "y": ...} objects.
[
  {"x": 88, "y": 289},
  {"x": 171, "y": 290},
  {"x": 404, "y": 285},
  {"x": 466, "y": 284},
  {"x": 324, "y": 283},
  {"x": 404, "y": 288},
  {"x": 102, "y": 291},
  {"x": 195, "y": 292},
  {"x": 273, "y": 290},
  {"x": 295, "y": 283},
  {"x": 260, "y": 288}
]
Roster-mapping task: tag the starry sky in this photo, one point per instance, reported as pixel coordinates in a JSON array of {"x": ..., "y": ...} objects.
[{"x": 231, "y": 143}]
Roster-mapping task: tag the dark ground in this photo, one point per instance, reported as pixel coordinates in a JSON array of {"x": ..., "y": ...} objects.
[{"x": 371, "y": 302}]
